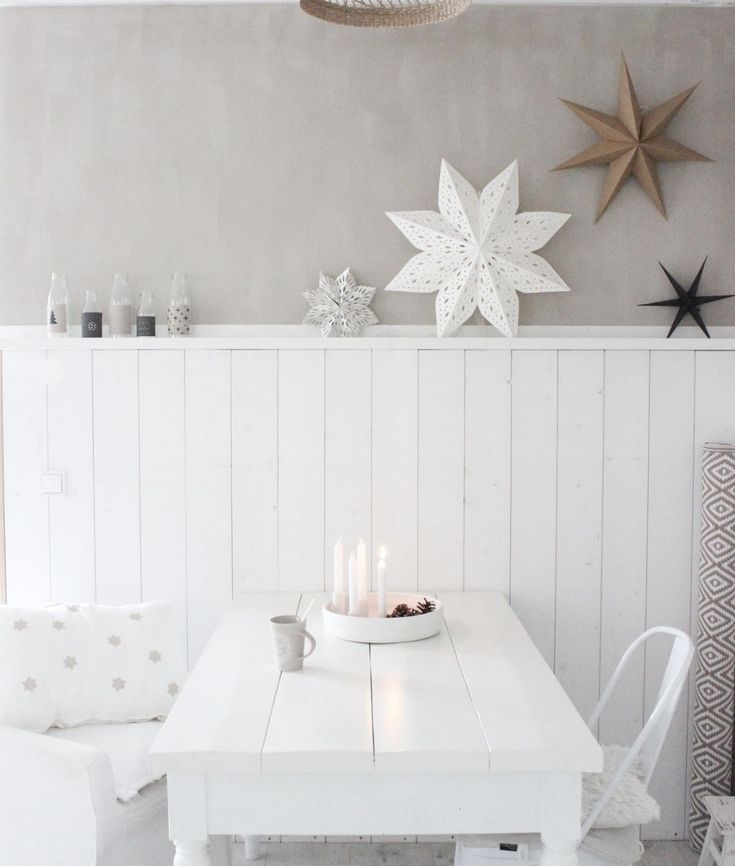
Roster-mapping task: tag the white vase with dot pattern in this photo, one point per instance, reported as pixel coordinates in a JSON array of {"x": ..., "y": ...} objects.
[{"x": 179, "y": 307}]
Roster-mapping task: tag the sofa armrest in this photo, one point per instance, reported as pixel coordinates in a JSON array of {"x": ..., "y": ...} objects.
[{"x": 53, "y": 796}]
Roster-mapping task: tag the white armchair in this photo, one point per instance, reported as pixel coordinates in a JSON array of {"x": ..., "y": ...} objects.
[
  {"x": 93, "y": 679},
  {"x": 67, "y": 785},
  {"x": 58, "y": 806}
]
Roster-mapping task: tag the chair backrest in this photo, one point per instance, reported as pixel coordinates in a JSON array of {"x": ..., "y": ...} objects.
[{"x": 648, "y": 744}]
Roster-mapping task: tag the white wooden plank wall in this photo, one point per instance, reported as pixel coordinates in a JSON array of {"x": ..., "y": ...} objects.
[
  {"x": 301, "y": 542},
  {"x": 116, "y": 476},
  {"x": 27, "y": 567},
  {"x": 395, "y": 460},
  {"x": 670, "y": 485},
  {"x": 487, "y": 474},
  {"x": 162, "y": 432},
  {"x": 347, "y": 450},
  {"x": 624, "y": 536},
  {"x": 209, "y": 514},
  {"x": 255, "y": 470},
  {"x": 440, "y": 470},
  {"x": 71, "y": 543},
  {"x": 533, "y": 495},
  {"x": 567, "y": 479},
  {"x": 579, "y": 525}
]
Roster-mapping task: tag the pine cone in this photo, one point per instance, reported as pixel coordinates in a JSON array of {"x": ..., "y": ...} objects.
[
  {"x": 401, "y": 610},
  {"x": 426, "y": 606}
]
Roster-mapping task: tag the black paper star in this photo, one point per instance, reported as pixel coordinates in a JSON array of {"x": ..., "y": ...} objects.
[{"x": 687, "y": 300}]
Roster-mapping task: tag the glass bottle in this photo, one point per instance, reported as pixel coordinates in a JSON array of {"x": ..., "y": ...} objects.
[
  {"x": 145, "y": 325},
  {"x": 179, "y": 307},
  {"x": 57, "y": 308},
  {"x": 91, "y": 316},
  {"x": 121, "y": 307}
]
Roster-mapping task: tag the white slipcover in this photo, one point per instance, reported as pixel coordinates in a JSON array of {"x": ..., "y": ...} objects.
[
  {"x": 58, "y": 803},
  {"x": 54, "y": 795}
]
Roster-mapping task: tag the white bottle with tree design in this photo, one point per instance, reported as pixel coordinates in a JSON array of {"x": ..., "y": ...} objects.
[{"x": 57, "y": 309}]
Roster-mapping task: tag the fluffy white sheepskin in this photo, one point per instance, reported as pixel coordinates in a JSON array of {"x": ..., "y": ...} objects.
[{"x": 630, "y": 803}]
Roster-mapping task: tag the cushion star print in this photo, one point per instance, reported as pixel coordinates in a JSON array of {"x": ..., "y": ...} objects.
[{"x": 477, "y": 251}]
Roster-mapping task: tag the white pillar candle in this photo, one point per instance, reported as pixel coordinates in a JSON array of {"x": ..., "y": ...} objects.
[
  {"x": 362, "y": 573},
  {"x": 338, "y": 593},
  {"x": 382, "y": 594},
  {"x": 354, "y": 585}
]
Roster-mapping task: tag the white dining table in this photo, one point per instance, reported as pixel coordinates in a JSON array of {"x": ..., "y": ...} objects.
[{"x": 466, "y": 732}]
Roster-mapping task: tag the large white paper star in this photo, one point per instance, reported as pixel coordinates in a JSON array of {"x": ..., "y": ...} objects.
[
  {"x": 340, "y": 307},
  {"x": 477, "y": 251}
]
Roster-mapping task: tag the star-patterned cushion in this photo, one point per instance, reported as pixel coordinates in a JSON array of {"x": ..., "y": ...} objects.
[
  {"x": 72, "y": 664},
  {"x": 29, "y": 691}
]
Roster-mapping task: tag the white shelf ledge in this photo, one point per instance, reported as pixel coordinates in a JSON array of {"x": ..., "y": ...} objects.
[
  {"x": 384, "y": 337},
  {"x": 23, "y": 3}
]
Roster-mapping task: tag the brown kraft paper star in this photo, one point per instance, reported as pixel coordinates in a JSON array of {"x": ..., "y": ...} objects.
[{"x": 631, "y": 142}]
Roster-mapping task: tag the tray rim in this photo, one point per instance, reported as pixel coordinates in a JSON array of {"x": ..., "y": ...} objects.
[{"x": 384, "y": 630}]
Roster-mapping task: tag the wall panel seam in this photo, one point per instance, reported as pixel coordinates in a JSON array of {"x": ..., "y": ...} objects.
[
  {"x": 647, "y": 535},
  {"x": 94, "y": 488},
  {"x": 186, "y": 509},
  {"x": 140, "y": 494},
  {"x": 232, "y": 486},
  {"x": 278, "y": 467},
  {"x": 510, "y": 481}
]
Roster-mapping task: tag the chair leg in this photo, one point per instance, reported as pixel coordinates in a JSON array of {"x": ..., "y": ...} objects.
[
  {"x": 252, "y": 847},
  {"x": 728, "y": 851},
  {"x": 706, "y": 858}
]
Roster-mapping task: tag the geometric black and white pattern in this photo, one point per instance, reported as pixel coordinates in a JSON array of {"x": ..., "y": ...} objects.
[{"x": 714, "y": 707}]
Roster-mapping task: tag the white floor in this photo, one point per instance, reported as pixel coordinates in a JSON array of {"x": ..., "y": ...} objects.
[{"x": 415, "y": 854}]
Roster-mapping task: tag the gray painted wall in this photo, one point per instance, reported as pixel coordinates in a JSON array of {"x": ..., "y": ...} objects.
[{"x": 253, "y": 146}]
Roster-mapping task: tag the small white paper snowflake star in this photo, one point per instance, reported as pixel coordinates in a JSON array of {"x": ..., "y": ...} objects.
[
  {"x": 173, "y": 689},
  {"x": 114, "y": 640},
  {"x": 29, "y": 684},
  {"x": 58, "y": 624},
  {"x": 70, "y": 662},
  {"x": 340, "y": 307},
  {"x": 118, "y": 684},
  {"x": 20, "y": 625},
  {"x": 477, "y": 251},
  {"x": 155, "y": 656}
]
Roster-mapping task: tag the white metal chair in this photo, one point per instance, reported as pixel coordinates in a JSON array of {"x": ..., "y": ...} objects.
[{"x": 599, "y": 848}]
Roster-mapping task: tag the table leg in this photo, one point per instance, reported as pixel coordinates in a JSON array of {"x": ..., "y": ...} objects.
[
  {"x": 559, "y": 853},
  {"x": 187, "y": 818},
  {"x": 562, "y": 805},
  {"x": 191, "y": 854},
  {"x": 252, "y": 847}
]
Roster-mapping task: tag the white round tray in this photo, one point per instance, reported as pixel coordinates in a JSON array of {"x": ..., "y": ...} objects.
[{"x": 374, "y": 629}]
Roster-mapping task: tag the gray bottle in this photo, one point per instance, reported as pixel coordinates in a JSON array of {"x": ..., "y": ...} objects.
[
  {"x": 145, "y": 324},
  {"x": 91, "y": 316}
]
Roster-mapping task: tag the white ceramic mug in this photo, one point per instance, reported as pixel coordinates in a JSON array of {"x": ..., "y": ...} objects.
[{"x": 289, "y": 633}]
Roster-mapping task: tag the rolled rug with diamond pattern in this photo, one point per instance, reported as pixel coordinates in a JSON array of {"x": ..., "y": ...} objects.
[{"x": 714, "y": 704}]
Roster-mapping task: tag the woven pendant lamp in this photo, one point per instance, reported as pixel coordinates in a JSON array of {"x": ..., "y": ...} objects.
[{"x": 384, "y": 13}]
